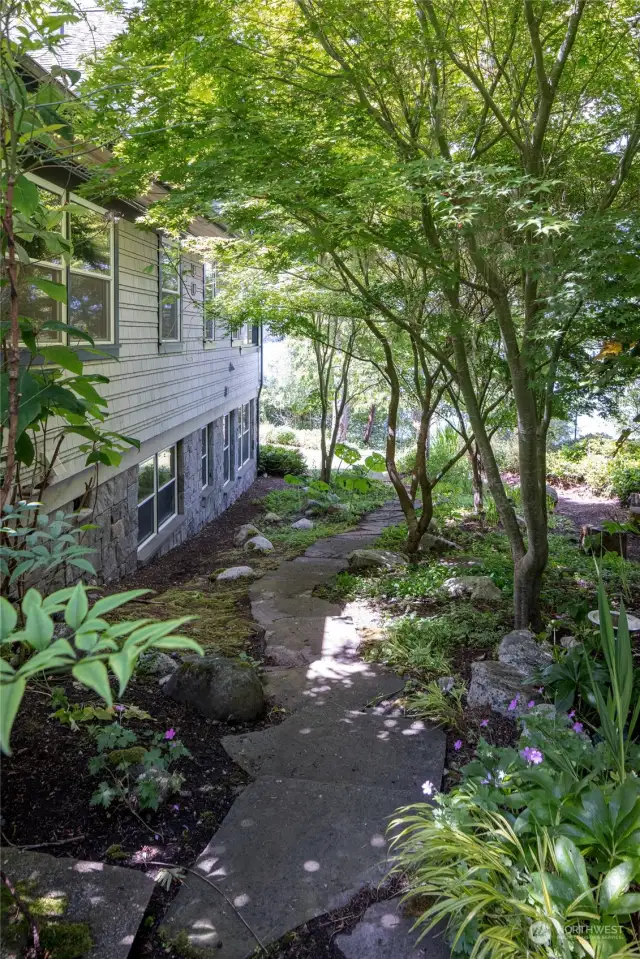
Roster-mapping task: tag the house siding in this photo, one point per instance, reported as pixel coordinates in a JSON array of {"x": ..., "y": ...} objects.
[{"x": 161, "y": 399}]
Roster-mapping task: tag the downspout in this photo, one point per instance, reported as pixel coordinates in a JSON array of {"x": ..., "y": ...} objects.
[{"x": 261, "y": 365}]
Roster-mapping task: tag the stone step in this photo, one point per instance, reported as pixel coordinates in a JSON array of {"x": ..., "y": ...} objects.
[
  {"x": 110, "y": 900},
  {"x": 321, "y": 635},
  {"x": 384, "y": 932},
  {"x": 288, "y": 850},
  {"x": 329, "y": 684},
  {"x": 392, "y": 752}
]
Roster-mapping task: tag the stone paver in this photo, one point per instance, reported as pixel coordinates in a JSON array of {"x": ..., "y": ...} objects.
[
  {"x": 385, "y": 933},
  {"x": 288, "y": 850},
  {"x": 311, "y": 830},
  {"x": 358, "y": 747},
  {"x": 110, "y": 899}
]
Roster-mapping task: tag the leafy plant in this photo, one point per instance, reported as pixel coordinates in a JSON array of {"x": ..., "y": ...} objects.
[
  {"x": 97, "y": 644},
  {"x": 442, "y": 705},
  {"x": 279, "y": 461},
  {"x": 136, "y": 773}
]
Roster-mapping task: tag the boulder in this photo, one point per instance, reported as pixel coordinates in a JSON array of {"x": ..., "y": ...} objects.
[
  {"x": 363, "y": 559},
  {"x": 477, "y": 587},
  {"x": 334, "y": 508},
  {"x": 287, "y": 658},
  {"x": 236, "y": 572},
  {"x": 552, "y": 495},
  {"x": 302, "y": 524},
  {"x": 436, "y": 544},
  {"x": 593, "y": 539},
  {"x": 496, "y": 685},
  {"x": 244, "y": 533},
  {"x": 258, "y": 544},
  {"x": 156, "y": 663},
  {"x": 165, "y": 782},
  {"x": 218, "y": 688},
  {"x": 271, "y": 518},
  {"x": 569, "y": 642},
  {"x": 520, "y": 651}
]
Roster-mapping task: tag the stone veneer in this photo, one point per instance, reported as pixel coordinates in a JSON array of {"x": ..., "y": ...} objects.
[{"x": 114, "y": 509}]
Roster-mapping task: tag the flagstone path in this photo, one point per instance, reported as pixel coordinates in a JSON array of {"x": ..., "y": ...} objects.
[{"x": 310, "y": 831}]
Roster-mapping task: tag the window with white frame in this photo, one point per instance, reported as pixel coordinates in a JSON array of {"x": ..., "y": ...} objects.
[
  {"x": 210, "y": 288},
  {"x": 206, "y": 465},
  {"x": 90, "y": 299},
  {"x": 89, "y": 277},
  {"x": 226, "y": 448},
  {"x": 170, "y": 292},
  {"x": 157, "y": 493},
  {"x": 243, "y": 427}
]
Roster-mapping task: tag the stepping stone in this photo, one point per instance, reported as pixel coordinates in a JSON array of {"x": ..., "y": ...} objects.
[
  {"x": 329, "y": 685},
  {"x": 385, "y": 933},
  {"x": 272, "y": 608},
  {"x": 354, "y": 747},
  {"x": 293, "y": 579},
  {"x": 288, "y": 850},
  {"x": 109, "y": 899},
  {"x": 339, "y": 547},
  {"x": 332, "y": 636}
]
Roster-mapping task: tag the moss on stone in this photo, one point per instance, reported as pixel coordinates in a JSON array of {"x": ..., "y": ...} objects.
[
  {"x": 181, "y": 945},
  {"x": 131, "y": 755},
  {"x": 61, "y": 940}
]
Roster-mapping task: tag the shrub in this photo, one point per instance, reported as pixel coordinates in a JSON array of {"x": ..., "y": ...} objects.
[
  {"x": 278, "y": 461},
  {"x": 284, "y": 437}
]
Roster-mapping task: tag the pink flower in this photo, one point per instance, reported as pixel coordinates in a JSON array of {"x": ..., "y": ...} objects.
[
  {"x": 170, "y": 734},
  {"x": 533, "y": 756},
  {"x": 577, "y": 727},
  {"x": 484, "y": 722},
  {"x": 531, "y": 704},
  {"x": 457, "y": 745},
  {"x": 514, "y": 703},
  {"x": 119, "y": 709}
]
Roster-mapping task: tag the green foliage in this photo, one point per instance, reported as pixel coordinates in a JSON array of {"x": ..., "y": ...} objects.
[
  {"x": 97, "y": 644},
  {"x": 37, "y": 542},
  {"x": 134, "y": 770},
  {"x": 438, "y": 704},
  {"x": 279, "y": 460},
  {"x": 597, "y": 462},
  {"x": 283, "y": 437}
]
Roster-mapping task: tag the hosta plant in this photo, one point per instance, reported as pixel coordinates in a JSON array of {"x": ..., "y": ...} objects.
[{"x": 94, "y": 647}]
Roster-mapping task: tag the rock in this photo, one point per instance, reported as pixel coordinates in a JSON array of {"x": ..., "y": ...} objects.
[
  {"x": 289, "y": 658},
  {"x": 477, "y": 587},
  {"x": 316, "y": 502},
  {"x": 634, "y": 499},
  {"x": 244, "y": 533},
  {"x": 156, "y": 663},
  {"x": 593, "y": 539},
  {"x": 362, "y": 559},
  {"x": 496, "y": 685},
  {"x": 236, "y": 572},
  {"x": 436, "y": 544},
  {"x": 258, "y": 544},
  {"x": 446, "y": 683},
  {"x": 384, "y": 932},
  {"x": 302, "y": 524},
  {"x": 552, "y": 494},
  {"x": 108, "y": 902},
  {"x": 217, "y": 687},
  {"x": 272, "y": 518},
  {"x": 521, "y": 652},
  {"x": 569, "y": 642},
  {"x": 334, "y": 508}
]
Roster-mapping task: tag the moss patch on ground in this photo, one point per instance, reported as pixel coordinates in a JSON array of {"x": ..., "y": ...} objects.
[{"x": 60, "y": 939}]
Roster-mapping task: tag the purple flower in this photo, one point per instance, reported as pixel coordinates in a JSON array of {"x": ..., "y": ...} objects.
[
  {"x": 457, "y": 745},
  {"x": 571, "y": 714},
  {"x": 119, "y": 709},
  {"x": 484, "y": 722},
  {"x": 486, "y": 781},
  {"x": 514, "y": 703},
  {"x": 532, "y": 755},
  {"x": 577, "y": 727},
  {"x": 176, "y": 807},
  {"x": 540, "y": 689},
  {"x": 170, "y": 734},
  {"x": 428, "y": 788},
  {"x": 531, "y": 704}
]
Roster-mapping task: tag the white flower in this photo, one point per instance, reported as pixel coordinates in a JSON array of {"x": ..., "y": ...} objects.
[{"x": 428, "y": 788}]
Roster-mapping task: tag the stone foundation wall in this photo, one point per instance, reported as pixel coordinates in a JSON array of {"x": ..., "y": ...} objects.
[{"x": 113, "y": 509}]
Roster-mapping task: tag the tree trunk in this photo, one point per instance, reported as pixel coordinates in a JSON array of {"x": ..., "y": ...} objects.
[
  {"x": 476, "y": 480},
  {"x": 369, "y": 427},
  {"x": 343, "y": 424}
]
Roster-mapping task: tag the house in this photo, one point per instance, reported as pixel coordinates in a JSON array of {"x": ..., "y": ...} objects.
[{"x": 186, "y": 390}]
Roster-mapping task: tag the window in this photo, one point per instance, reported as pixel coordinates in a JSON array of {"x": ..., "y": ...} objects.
[
  {"x": 252, "y": 420},
  {"x": 169, "y": 292},
  {"x": 226, "y": 448},
  {"x": 206, "y": 471},
  {"x": 89, "y": 277},
  {"x": 243, "y": 425},
  {"x": 90, "y": 297},
  {"x": 157, "y": 493},
  {"x": 210, "y": 293}
]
